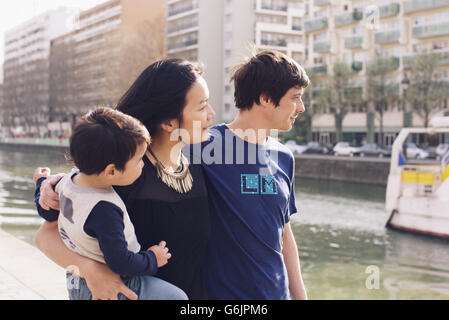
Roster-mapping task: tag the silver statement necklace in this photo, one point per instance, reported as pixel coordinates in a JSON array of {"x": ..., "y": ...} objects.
[{"x": 181, "y": 180}]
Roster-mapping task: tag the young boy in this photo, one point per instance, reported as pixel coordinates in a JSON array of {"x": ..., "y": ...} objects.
[{"x": 107, "y": 148}]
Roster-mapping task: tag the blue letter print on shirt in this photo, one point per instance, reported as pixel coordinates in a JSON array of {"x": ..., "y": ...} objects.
[
  {"x": 268, "y": 184},
  {"x": 250, "y": 184}
]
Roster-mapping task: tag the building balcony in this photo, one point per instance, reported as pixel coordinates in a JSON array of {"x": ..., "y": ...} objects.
[
  {"x": 348, "y": 18},
  {"x": 180, "y": 10},
  {"x": 431, "y": 30},
  {"x": 183, "y": 44},
  {"x": 274, "y": 43},
  {"x": 297, "y": 27},
  {"x": 389, "y": 10},
  {"x": 181, "y": 27},
  {"x": 276, "y": 28},
  {"x": 411, "y": 6},
  {"x": 442, "y": 57},
  {"x": 321, "y": 2},
  {"x": 322, "y": 46},
  {"x": 315, "y": 24},
  {"x": 388, "y": 64},
  {"x": 274, "y": 7},
  {"x": 387, "y": 37},
  {"x": 318, "y": 69},
  {"x": 354, "y": 42}
]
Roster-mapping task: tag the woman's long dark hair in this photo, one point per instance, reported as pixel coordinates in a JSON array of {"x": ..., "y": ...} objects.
[{"x": 159, "y": 93}]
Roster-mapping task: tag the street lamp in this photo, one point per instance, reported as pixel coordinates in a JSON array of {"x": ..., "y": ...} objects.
[{"x": 406, "y": 121}]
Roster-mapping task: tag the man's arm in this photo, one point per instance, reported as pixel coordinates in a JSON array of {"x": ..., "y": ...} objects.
[
  {"x": 291, "y": 259},
  {"x": 103, "y": 283}
]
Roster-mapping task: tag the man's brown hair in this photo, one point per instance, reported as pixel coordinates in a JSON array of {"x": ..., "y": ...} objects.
[{"x": 268, "y": 72}]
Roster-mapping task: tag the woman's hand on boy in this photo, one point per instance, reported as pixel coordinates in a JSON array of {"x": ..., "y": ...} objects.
[
  {"x": 104, "y": 284},
  {"x": 49, "y": 199},
  {"x": 161, "y": 253}
]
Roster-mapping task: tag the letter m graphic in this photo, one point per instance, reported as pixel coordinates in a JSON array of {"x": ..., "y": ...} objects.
[{"x": 268, "y": 184}]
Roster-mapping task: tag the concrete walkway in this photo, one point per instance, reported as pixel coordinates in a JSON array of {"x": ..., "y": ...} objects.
[{"x": 27, "y": 274}]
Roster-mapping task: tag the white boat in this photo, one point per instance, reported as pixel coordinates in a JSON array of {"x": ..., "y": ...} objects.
[{"x": 417, "y": 198}]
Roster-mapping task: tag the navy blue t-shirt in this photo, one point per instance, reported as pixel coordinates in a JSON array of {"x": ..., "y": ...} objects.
[{"x": 251, "y": 197}]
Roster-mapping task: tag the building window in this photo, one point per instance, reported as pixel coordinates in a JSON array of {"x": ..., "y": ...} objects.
[
  {"x": 319, "y": 60},
  {"x": 421, "y": 20},
  {"x": 440, "y": 45},
  {"x": 420, "y": 48}
]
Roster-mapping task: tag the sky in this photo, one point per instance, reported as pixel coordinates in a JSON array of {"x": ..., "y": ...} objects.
[{"x": 13, "y": 13}]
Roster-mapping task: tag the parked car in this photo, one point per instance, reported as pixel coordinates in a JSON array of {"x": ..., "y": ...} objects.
[
  {"x": 413, "y": 152},
  {"x": 294, "y": 147},
  {"x": 432, "y": 152},
  {"x": 441, "y": 150},
  {"x": 315, "y": 147},
  {"x": 344, "y": 149},
  {"x": 373, "y": 150}
]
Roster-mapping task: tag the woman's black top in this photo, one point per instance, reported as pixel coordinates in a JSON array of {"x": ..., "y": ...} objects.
[{"x": 159, "y": 213}]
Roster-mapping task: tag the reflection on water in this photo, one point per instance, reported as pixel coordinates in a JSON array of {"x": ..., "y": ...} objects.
[
  {"x": 339, "y": 231},
  {"x": 17, "y": 212}
]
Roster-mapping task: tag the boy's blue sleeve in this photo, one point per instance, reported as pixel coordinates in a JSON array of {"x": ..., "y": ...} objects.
[
  {"x": 49, "y": 215},
  {"x": 105, "y": 222}
]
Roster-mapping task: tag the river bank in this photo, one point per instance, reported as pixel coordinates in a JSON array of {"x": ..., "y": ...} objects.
[{"x": 359, "y": 170}]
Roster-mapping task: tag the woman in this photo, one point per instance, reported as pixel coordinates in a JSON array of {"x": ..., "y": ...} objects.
[{"x": 169, "y": 200}]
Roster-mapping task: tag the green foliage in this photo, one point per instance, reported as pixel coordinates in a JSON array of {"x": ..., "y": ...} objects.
[{"x": 426, "y": 92}]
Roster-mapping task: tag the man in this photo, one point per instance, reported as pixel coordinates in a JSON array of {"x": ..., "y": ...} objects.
[{"x": 250, "y": 177}]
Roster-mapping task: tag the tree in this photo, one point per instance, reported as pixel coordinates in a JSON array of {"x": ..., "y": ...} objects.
[
  {"x": 426, "y": 91},
  {"x": 333, "y": 97},
  {"x": 304, "y": 126},
  {"x": 141, "y": 48},
  {"x": 380, "y": 90}
]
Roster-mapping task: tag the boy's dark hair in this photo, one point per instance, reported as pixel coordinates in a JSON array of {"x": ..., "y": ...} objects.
[
  {"x": 268, "y": 72},
  {"x": 104, "y": 136}
]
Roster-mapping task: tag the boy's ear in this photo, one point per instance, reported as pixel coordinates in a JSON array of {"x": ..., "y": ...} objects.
[{"x": 110, "y": 170}]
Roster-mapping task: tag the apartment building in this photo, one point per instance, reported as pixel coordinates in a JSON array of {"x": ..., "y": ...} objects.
[
  {"x": 356, "y": 33},
  {"x": 96, "y": 63},
  {"x": 26, "y": 71},
  {"x": 220, "y": 33}
]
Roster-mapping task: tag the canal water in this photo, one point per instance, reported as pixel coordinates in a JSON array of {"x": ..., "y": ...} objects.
[{"x": 345, "y": 250}]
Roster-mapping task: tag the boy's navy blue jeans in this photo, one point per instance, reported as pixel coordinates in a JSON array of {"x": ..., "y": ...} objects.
[{"x": 146, "y": 287}]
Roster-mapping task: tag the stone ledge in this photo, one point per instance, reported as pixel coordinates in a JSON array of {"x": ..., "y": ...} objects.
[{"x": 26, "y": 273}]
